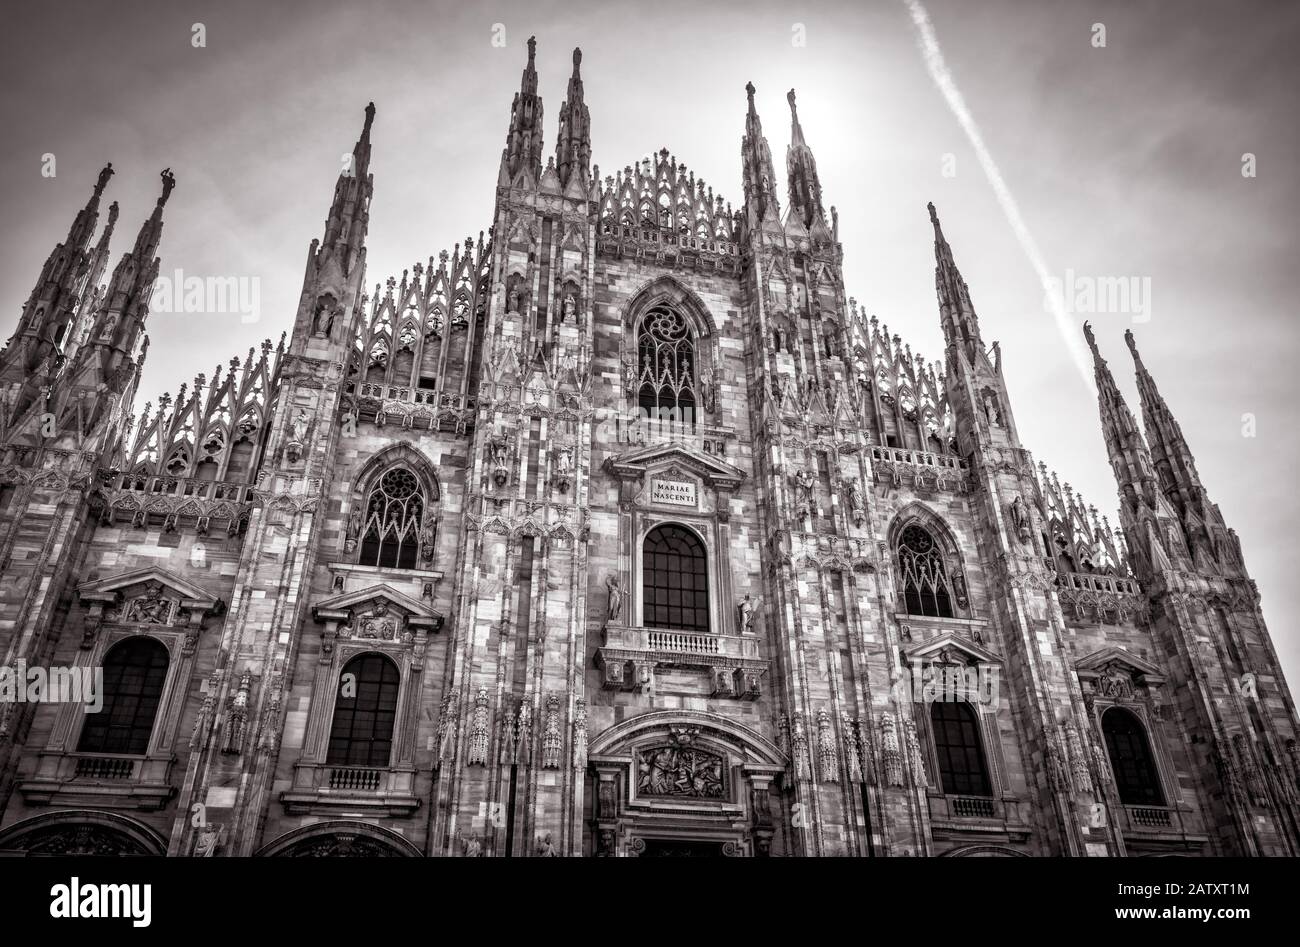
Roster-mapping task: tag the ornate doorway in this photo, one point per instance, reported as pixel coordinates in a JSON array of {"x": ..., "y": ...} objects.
[{"x": 676, "y": 848}]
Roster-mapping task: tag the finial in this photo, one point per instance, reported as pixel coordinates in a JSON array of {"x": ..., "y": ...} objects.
[
  {"x": 794, "y": 114},
  {"x": 1132, "y": 346},
  {"x": 370, "y": 116},
  {"x": 577, "y": 59},
  {"x": 532, "y": 49},
  {"x": 934, "y": 217}
]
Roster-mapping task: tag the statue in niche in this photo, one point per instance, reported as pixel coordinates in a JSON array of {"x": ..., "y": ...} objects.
[
  {"x": 855, "y": 500},
  {"x": 745, "y": 612},
  {"x": 615, "y": 598},
  {"x": 324, "y": 316},
  {"x": 991, "y": 410},
  {"x": 150, "y": 608},
  {"x": 569, "y": 309},
  {"x": 499, "y": 454},
  {"x": 629, "y": 374},
  {"x": 473, "y": 848},
  {"x": 1020, "y": 518},
  {"x": 546, "y": 848},
  {"x": 512, "y": 300},
  {"x": 428, "y": 537},
  {"x": 803, "y": 485},
  {"x": 706, "y": 388},
  {"x": 353, "y": 529},
  {"x": 564, "y": 460}
]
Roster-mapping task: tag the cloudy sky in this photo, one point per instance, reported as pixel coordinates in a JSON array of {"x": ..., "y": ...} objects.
[{"x": 1124, "y": 161}]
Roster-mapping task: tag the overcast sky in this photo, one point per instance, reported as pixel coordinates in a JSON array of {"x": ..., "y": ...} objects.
[{"x": 1125, "y": 161}]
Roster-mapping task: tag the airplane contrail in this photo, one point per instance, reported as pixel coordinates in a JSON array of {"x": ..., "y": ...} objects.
[{"x": 938, "y": 69}]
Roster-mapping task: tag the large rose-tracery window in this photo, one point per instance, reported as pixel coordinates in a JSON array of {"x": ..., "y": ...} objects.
[
  {"x": 391, "y": 536},
  {"x": 667, "y": 366},
  {"x": 923, "y": 574}
]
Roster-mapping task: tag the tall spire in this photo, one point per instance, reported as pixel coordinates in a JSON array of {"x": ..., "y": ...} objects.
[
  {"x": 956, "y": 311},
  {"x": 573, "y": 146},
  {"x": 523, "y": 151},
  {"x": 1129, "y": 457},
  {"x": 756, "y": 164},
  {"x": 349, "y": 216},
  {"x": 63, "y": 284},
  {"x": 1169, "y": 451},
  {"x": 805, "y": 187}
]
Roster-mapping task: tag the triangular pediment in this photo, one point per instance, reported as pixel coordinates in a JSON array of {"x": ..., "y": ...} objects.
[
  {"x": 952, "y": 648},
  {"x": 114, "y": 585},
  {"x": 1098, "y": 662},
  {"x": 714, "y": 472},
  {"x": 359, "y": 598}
]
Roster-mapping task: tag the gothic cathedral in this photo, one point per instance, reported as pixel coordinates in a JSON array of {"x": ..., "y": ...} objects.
[{"x": 618, "y": 531}]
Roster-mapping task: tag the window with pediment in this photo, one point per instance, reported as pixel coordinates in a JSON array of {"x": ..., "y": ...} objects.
[
  {"x": 394, "y": 512},
  {"x": 668, "y": 368},
  {"x": 1136, "y": 777},
  {"x": 361, "y": 733},
  {"x": 135, "y": 671},
  {"x": 675, "y": 581},
  {"x": 963, "y": 768}
]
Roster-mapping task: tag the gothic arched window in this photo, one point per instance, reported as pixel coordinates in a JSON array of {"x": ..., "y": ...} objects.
[
  {"x": 675, "y": 582},
  {"x": 390, "y": 537},
  {"x": 1131, "y": 759},
  {"x": 361, "y": 733},
  {"x": 963, "y": 770},
  {"x": 923, "y": 574},
  {"x": 134, "y": 673},
  {"x": 667, "y": 366}
]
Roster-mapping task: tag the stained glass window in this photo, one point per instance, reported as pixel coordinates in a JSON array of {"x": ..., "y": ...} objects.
[
  {"x": 391, "y": 535},
  {"x": 923, "y": 575}
]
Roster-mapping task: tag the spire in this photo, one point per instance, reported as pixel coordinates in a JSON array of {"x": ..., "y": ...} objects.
[
  {"x": 349, "y": 216},
  {"x": 756, "y": 164},
  {"x": 805, "y": 188},
  {"x": 62, "y": 285},
  {"x": 573, "y": 147},
  {"x": 1129, "y": 456},
  {"x": 1169, "y": 451},
  {"x": 956, "y": 312},
  {"x": 523, "y": 150}
]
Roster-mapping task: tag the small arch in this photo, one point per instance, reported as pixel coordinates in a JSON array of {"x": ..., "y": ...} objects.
[
  {"x": 403, "y": 453},
  {"x": 667, "y": 291}
]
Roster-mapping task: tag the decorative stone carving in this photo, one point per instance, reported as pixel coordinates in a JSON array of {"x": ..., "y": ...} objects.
[
  {"x": 237, "y": 720},
  {"x": 294, "y": 449},
  {"x": 580, "y": 734},
  {"x": 853, "y": 493},
  {"x": 891, "y": 756},
  {"x": 377, "y": 623},
  {"x": 914, "y": 751},
  {"x": 151, "y": 608},
  {"x": 827, "y": 762},
  {"x": 798, "y": 745},
  {"x": 680, "y": 769},
  {"x": 552, "y": 735},
  {"x": 447, "y": 728},
  {"x": 499, "y": 456},
  {"x": 478, "y": 733},
  {"x": 803, "y": 491},
  {"x": 546, "y": 848},
  {"x": 1078, "y": 760}
]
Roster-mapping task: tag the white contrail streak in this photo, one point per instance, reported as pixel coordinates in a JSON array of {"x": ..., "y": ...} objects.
[{"x": 938, "y": 69}]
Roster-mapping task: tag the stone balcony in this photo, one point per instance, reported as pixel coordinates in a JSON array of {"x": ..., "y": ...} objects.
[
  {"x": 920, "y": 469},
  {"x": 374, "y": 790},
  {"x": 409, "y": 407},
  {"x": 629, "y": 656},
  {"x": 98, "y": 779}
]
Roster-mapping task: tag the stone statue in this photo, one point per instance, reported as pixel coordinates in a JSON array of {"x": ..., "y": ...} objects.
[
  {"x": 564, "y": 460},
  {"x": 629, "y": 375},
  {"x": 354, "y": 529},
  {"x": 803, "y": 483},
  {"x": 855, "y": 500},
  {"x": 1020, "y": 518},
  {"x": 512, "y": 304},
  {"x": 746, "y": 614},
  {"x": 428, "y": 538},
  {"x": 473, "y": 847},
  {"x": 615, "y": 598},
  {"x": 546, "y": 848},
  {"x": 569, "y": 310}
]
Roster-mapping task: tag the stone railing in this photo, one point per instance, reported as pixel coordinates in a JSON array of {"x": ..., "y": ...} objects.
[
  {"x": 99, "y": 780},
  {"x": 648, "y": 233},
  {"x": 104, "y": 767},
  {"x": 920, "y": 468},
  {"x": 1149, "y": 817},
  {"x": 1096, "y": 582},
  {"x": 374, "y": 790},
  {"x": 630, "y": 655},
  {"x": 167, "y": 485},
  {"x": 358, "y": 778}
]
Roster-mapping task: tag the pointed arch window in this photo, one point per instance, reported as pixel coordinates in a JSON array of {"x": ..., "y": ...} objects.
[
  {"x": 923, "y": 574},
  {"x": 361, "y": 733},
  {"x": 134, "y": 674},
  {"x": 675, "y": 579},
  {"x": 390, "y": 536},
  {"x": 668, "y": 367},
  {"x": 1136, "y": 779},
  {"x": 963, "y": 769}
]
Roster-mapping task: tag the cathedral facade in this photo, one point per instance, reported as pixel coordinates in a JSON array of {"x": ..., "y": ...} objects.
[{"x": 620, "y": 530}]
